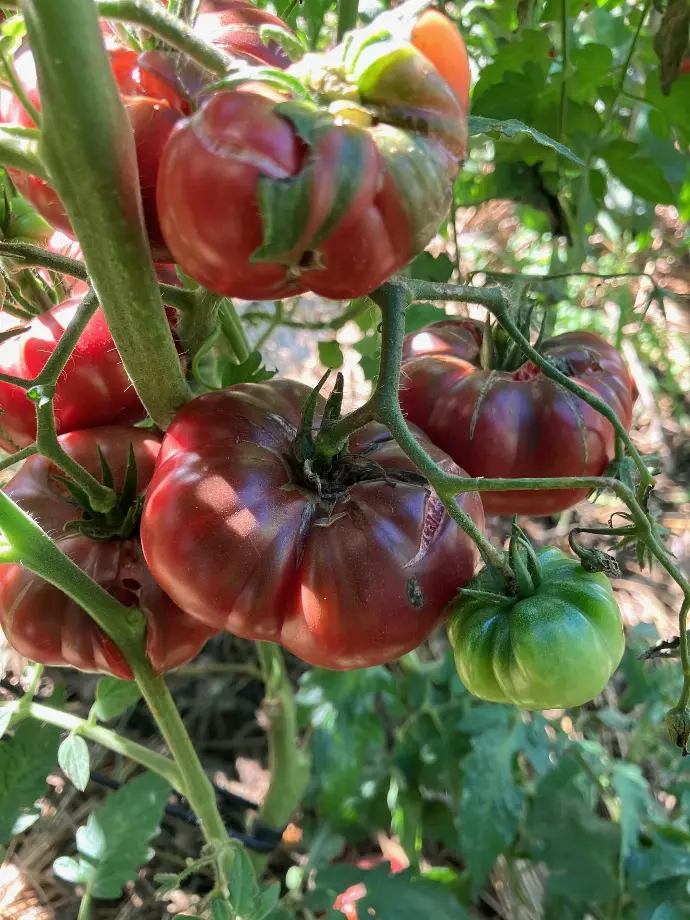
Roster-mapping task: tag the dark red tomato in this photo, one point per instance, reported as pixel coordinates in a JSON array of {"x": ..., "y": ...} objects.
[
  {"x": 234, "y": 26},
  {"x": 208, "y": 202},
  {"x": 461, "y": 338},
  {"x": 518, "y": 424},
  {"x": 235, "y": 533},
  {"x": 94, "y": 388},
  {"x": 152, "y": 118},
  {"x": 43, "y": 623}
]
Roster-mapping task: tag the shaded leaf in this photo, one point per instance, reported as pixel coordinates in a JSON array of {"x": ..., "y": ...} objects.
[
  {"x": 114, "y": 843},
  {"x": 490, "y": 803},
  {"x": 25, "y": 762},
  {"x": 511, "y": 127}
]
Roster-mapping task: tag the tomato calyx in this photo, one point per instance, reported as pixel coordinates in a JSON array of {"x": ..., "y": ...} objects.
[
  {"x": 593, "y": 559},
  {"x": 330, "y": 478},
  {"x": 122, "y": 521}
]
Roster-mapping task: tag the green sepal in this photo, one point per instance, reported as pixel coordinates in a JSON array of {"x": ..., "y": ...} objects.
[
  {"x": 334, "y": 403},
  {"x": 121, "y": 521},
  {"x": 304, "y": 442},
  {"x": 285, "y": 204}
]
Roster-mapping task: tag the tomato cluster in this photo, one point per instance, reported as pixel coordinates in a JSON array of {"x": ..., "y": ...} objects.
[{"x": 236, "y": 519}]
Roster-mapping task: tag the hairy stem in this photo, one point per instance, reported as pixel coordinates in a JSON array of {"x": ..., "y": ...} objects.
[{"x": 159, "y": 22}]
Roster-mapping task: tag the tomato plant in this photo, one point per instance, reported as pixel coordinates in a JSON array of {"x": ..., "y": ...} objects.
[
  {"x": 557, "y": 645},
  {"x": 347, "y": 569},
  {"x": 47, "y": 626},
  {"x": 516, "y": 423},
  {"x": 93, "y": 390},
  {"x": 332, "y": 199}
]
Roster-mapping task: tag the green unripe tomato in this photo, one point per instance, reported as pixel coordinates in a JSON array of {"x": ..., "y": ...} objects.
[{"x": 556, "y": 648}]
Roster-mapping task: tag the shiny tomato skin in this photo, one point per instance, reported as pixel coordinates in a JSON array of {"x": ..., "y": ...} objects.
[
  {"x": 153, "y": 109},
  {"x": 521, "y": 424},
  {"x": 552, "y": 649},
  {"x": 234, "y": 26},
  {"x": 207, "y": 193},
  {"x": 441, "y": 43},
  {"x": 236, "y": 140},
  {"x": 40, "y": 621},
  {"x": 237, "y": 543},
  {"x": 93, "y": 390},
  {"x": 461, "y": 338}
]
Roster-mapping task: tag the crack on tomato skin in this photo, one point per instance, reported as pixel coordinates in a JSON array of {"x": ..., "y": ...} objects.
[
  {"x": 483, "y": 393},
  {"x": 434, "y": 516}
]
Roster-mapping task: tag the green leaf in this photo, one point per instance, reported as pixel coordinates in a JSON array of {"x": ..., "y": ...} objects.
[
  {"x": 593, "y": 63},
  {"x": 221, "y": 910},
  {"x": 421, "y": 314},
  {"x": 73, "y": 757},
  {"x": 250, "y": 371},
  {"x": 636, "y": 802},
  {"x": 642, "y": 175},
  {"x": 511, "y": 127},
  {"x": 330, "y": 354},
  {"x": 490, "y": 803},
  {"x": 658, "y": 863},
  {"x": 388, "y": 897},
  {"x": 427, "y": 267},
  {"x": 25, "y": 761},
  {"x": 113, "y": 697},
  {"x": 265, "y": 902},
  {"x": 69, "y": 870},
  {"x": 242, "y": 884},
  {"x": 113, "y": 845},
  {"x": 584, "y": 860}
]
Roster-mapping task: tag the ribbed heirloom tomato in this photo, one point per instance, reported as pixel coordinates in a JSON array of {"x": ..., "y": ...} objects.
[
  {"x": 265, "y": 194},
  {"x": 346, "y": 568},
  {"x": 515, "y": 423},
  {"x": 43, "y": 623},
  {"x": 92, "y": 390},
  {"x": 555, "y": 647}
]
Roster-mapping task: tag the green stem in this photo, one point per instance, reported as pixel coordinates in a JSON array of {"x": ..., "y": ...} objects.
[
  {"x": 85, "y": 912},
  {"x": 196, "y": 786},
  {"x": 101, "y": 498},
  {"x": 289, "y": 764},
  {"x": 29, "y": 255},
  {"x": 93, "y": 167},
  {"x": 626, "y": 65},
  {"x": 19, "y": 457},
  {"x": 159, "y": 22},
  {"x": 20, "y": 152},
  {"x": 233, "y": 330},
  {"x": 393, "y": 298},
  {"x": 347, "y": 17},
  {"x": 105, "y": 737}
]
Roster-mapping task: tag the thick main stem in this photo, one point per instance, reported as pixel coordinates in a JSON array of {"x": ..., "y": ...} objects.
[{"x": 93, "y": 166}]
